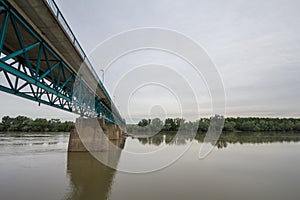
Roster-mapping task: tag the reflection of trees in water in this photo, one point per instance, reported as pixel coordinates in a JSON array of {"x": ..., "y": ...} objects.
[
  {"x": 256, "y": 138},
  {"x": 167, "y": 138},
  {"x": 224, "y": 140},
  {"x": 155, "y": 140}
]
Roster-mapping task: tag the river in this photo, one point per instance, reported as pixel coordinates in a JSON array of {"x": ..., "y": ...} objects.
[{"x": 38, "y": 166}]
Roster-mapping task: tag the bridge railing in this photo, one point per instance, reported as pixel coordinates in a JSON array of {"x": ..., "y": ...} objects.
[
  {"x": 70, "y": 33},
  {"x": 75, "y": 42}
]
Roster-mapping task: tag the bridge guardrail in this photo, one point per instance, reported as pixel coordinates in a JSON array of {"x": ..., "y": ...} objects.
[{"x": 75, "y": 42}]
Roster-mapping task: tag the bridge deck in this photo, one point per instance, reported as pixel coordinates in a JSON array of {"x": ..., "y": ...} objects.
[{"x": 40, "y": 16}]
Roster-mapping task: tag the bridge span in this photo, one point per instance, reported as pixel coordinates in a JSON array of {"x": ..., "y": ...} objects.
[{"x": 42, "y": 60}]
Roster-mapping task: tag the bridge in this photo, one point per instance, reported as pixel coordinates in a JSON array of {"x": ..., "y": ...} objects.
[{"x": 41, "y": 60}]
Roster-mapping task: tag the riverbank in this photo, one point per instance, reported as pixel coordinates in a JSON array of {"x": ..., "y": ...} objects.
[
  {"x": 238, "y": 124},
  {"x": 26, "y": 124}
]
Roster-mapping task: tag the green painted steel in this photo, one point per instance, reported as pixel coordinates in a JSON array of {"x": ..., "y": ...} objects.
[{"x": 34, "y": 71}]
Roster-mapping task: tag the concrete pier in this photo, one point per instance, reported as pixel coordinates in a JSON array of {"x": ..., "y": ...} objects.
[{"x": 93, "y": 134}]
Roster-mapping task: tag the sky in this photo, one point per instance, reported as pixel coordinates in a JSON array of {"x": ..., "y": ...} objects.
[{"x": 255, "y": 46}]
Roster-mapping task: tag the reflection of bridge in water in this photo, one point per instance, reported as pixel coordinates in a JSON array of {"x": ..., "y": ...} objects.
[{"x": 90, "y": 178}]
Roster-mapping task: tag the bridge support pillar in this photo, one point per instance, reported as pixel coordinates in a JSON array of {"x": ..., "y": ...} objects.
[{"x": 91, "y": 137}]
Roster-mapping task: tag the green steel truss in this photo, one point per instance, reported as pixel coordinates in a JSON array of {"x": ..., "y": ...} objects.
[{"x": 30, "y": 68}]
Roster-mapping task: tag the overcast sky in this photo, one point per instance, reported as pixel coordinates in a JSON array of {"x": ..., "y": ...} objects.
[{"x": 255, "y": 46}]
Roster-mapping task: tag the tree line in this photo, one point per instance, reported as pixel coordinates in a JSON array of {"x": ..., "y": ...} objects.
[
  {"x": 231, "y": 124},
  {"x": 26, "y": 124},
  {"x": 238, "y": 124}
]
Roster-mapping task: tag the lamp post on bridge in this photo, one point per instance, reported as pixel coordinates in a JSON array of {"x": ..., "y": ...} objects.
[{"x": 102, "y": 70}]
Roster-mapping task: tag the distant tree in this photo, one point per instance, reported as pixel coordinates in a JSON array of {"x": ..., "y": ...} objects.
[
  {"x": 17, "y": 123},
  {"x": 68, "y": 126},
  {"x": 247, "y": 126},
  {"x": 169, "y": 124},
  {"x": 27, "y": 125},
  {"x": 144, "y": 122},
  {"x": 6, "y": 122},
  {"x": 190, "y": 126},
  {"x": 229, "y": 126},
  {"x": 203, "y": 125},
  {"x": 156, "y": 125},
  {"x": 2, "y": 127},
  {"x": 40, "y": 125},
  {"x": 297, "y": 126},
  {"x": 54, "y": 125},
  {"x": 178, "y": 122}
]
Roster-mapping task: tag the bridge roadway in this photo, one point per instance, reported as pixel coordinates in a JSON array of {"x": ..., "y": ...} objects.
[{"x": 54, "y": 30}]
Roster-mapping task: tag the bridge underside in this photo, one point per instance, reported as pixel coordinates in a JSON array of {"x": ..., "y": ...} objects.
[{"x": 30, "y": 68}]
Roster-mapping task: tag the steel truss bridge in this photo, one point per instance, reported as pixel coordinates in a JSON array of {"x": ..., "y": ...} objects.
[{"x": 41, "y": 60}]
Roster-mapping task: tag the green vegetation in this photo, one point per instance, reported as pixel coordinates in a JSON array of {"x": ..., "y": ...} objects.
[
  {"x": 249, "y": 124},
  {"x": 25, "y": 124},
  {"x": 254, "y": 124}
]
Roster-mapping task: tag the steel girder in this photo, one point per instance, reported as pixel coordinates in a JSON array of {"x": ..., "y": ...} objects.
[{"x": 31, "y": 69}]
